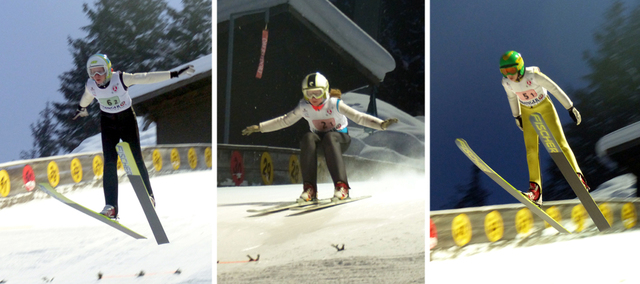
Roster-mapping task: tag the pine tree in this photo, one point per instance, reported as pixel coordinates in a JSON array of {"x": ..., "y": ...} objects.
[
  {"x": 610, "y": 101},
  {"x": 137, "y": 36},
  {"x": 190, "y": 31},
  {"x": 474, "y": 195},
  {"x": 43, "y": 133}
]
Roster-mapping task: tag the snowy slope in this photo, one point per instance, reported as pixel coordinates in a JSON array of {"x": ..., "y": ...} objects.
[
  {"x": 601, "y": 259},
  {"x": 45, "y": 238},
  {"x": 403, "y": 142},
  {"x": 384, "y": 236}
]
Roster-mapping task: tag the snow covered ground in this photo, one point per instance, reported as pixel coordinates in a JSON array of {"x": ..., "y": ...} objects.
[
  {"x": 595, "y": 258},
  {"x": 45, "y": 240},
  {"x": 601, "y": 259},
  {"x": 384, "y": 236}
]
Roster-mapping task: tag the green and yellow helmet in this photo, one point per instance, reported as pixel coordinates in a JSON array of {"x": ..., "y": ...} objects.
[{"x": 511, "y": 63}]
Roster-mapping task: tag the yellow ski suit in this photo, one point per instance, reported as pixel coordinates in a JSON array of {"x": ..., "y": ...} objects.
[{"x": 529, "y": 95}]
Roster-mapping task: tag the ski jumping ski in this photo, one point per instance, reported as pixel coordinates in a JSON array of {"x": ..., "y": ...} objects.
[
  {"x": 133, "y": 173},
  {"x": 464, "y": 147},
  {"x": 286, "y": 206},
  {"x": 104, "y": 219},
  {"x": 552, "y": 146},
  {"x": 303, "y": 210}
]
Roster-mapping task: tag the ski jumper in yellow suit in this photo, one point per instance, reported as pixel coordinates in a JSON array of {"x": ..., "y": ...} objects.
[{"x": 529, "y": 95}]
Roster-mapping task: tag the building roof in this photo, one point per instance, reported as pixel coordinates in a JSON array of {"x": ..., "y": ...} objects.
[
  {"x": 616, "y": 141},
  {"x": 202, "y": 66},
  {"x": 330, "y": 21}
]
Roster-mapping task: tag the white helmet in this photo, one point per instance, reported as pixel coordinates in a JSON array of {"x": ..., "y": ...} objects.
[
  {"x": 99, "y": 60},
  {"x": 315, "y": 81}
]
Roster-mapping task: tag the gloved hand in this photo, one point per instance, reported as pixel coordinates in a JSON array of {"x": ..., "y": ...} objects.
[
  {"x": 388, "y": 122},
  {"x": 250, "y": 129},
  {"x": 81, "y": 112},
  {"x": 575, "y": 115},
  {"x": 519, "y": 122},
  {"x": 189, "y": 70}
]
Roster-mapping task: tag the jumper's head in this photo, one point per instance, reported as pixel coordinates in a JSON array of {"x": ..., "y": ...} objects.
[
  {"x": 99, "y": 65},
  {"x": 511, "y": 63},
  {"x": 315, "y": 85}
]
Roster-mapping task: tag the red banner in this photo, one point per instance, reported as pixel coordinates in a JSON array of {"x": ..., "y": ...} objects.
[{"x": 263, "y": 50}]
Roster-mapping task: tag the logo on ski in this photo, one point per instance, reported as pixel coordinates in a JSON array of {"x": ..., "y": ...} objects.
[
  {"x": 545, "y": 134},
  {"x": 123, "y": 158},
  {"x": 474, "y": 158}
]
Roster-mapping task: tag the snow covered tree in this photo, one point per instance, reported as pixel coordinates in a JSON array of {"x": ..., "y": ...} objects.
[{"x": 190, "y": 31}]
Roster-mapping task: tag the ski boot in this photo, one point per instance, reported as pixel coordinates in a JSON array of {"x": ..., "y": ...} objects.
[
  {"x": 534, "y": 194},
  {"x": 153, "y": 200},
  {"x": 584, "y": 181},
  {"x": 341, "y": 192},
  {"x": 110, "y": 211},
  {"x": 309, "y": 193}
]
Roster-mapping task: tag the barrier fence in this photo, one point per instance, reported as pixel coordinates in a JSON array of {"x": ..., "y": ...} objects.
[
  {"x": 493, "y": 224},
  {"x": 261, "y": 165},
  {"x": 18, "y": 179}
]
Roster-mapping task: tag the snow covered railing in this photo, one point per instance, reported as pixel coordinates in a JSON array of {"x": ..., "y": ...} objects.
[{"x": 18, "y": 178}]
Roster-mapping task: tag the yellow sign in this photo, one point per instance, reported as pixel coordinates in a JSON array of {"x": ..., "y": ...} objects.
[
  {"x": 461, "y": 229},
  {"x": 555, "y": 214},
  {"x": 53, "y": 174},
  {"x": 578, "y": 215},
  {"x": 119, "y": 164},
  {"x": 207, "y": 156},
  {"x": 175, "y": 158},
  {"x": 98, "y": 166},
  {"x": 294, "y": 169},
  {"x": 524, "y": 221},
  {"x": 266, "y": 168},
  {"x": 628, "y": 215},
  {"x": 493, "y": 226},
  {"x": 606, "y": 211},
  {"x": 157, "y": 160},
  {"x": 76, "y": 170},
  {"x": 193, "y": 158},
  {"x": 5, "y": 183}
]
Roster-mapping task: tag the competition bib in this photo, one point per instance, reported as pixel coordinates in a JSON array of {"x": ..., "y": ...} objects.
[
  {"x": 112, "y": 101},
  {"x": 324, "y": 125},
  {"x": 530, "y": 97}
]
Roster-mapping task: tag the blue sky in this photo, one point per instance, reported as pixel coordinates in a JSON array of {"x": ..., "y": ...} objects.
[
  {"x": 33, "y": 53},
  {"x": 466, "y": 98}
]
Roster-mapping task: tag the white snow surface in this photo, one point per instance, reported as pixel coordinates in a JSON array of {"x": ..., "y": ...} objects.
[
  {"x": 596, "y": 258},
  {"x": 46, "y": 239},
  {"x": 389, "y": 224},
  {"x": 403, "y": 142},
  {"x": 600, "y": 259}
]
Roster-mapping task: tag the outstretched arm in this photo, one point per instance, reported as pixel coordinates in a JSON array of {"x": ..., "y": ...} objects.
[
  {"x": 130, "y": 79},
  {"x": 365, "y": 119},
  {"x": 276, "y": 123},
  {"x": 559, "y": 94}
]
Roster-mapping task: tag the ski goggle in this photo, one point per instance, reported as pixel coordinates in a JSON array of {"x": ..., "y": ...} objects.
[
  {"x": 97, "y": 71},
  {"x": 314, "y": 93},
  {"x": 509, "y": 71}
]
